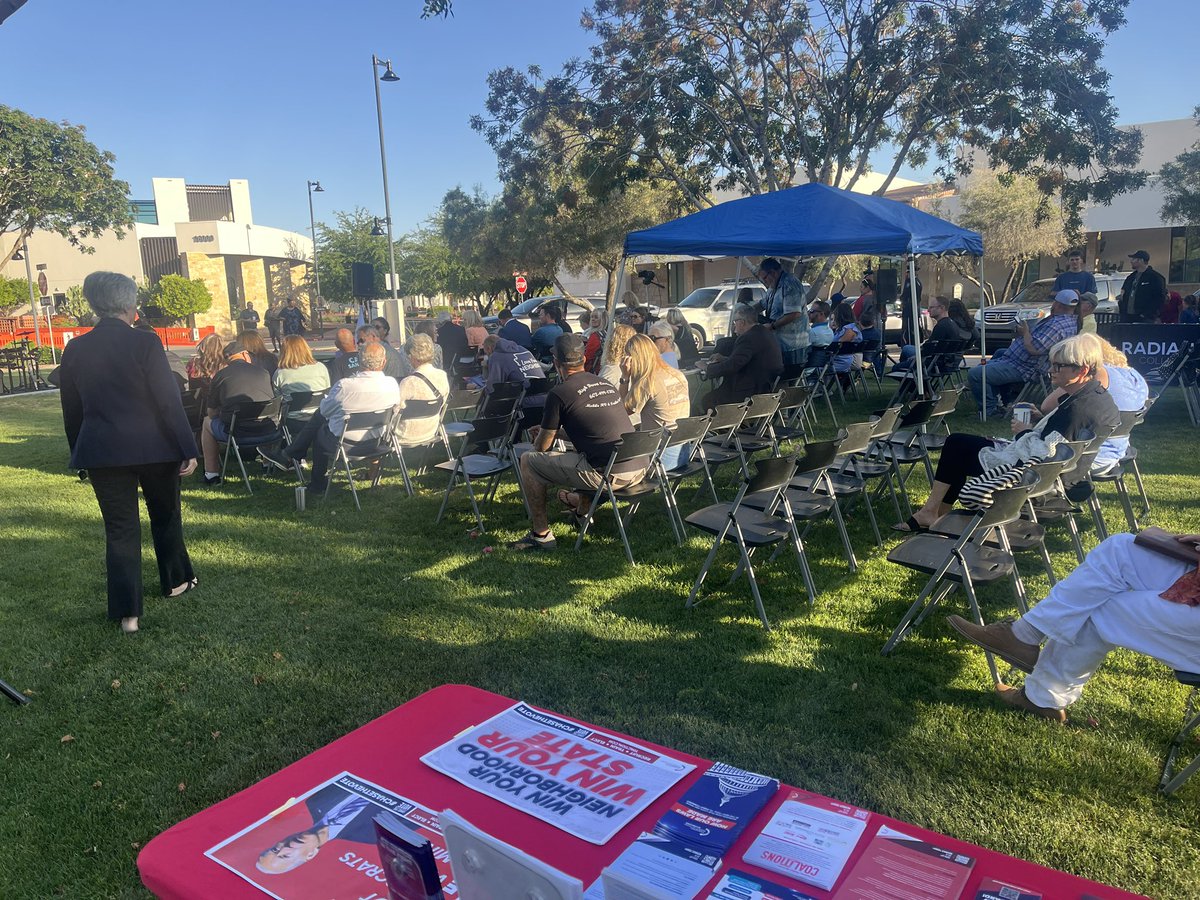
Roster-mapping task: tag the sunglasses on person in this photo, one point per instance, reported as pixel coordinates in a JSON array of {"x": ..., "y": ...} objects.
[{"x": 1058, "y": 367}]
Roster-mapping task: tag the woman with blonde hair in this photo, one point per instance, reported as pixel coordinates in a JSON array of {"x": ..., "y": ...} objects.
[
  {"x": 685, "y": 339},
  {"x": 654, "y": 391},
  {"x": 597, "y": 328},
  {"x": 610, "y": 365},
  {"x": 298, "y": 371},
  {"x": 201, "y": 368},
  {"x": 1126, "y": 386},
  {"x": 476, "y": 331}
]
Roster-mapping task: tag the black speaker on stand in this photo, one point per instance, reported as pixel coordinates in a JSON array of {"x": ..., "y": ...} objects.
[
  {"x": 362, "y": 286},
  {"x": 887, "y": 286}
]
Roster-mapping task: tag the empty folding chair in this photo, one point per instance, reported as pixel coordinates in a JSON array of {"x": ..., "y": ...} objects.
[
  {"x": 818, "y": 376},
  {"x": 965, "y": 560},
  {"x": 366, "y": 439},
  {"x": 752, "y": 528},
  {"x": 469, "y": 467},
  {"x": 634, "y": 447},
  {"x": 937, "y": 428},
  {"x": 718, "y": 446},
  {"x": 808, "y": 506},
  {"x": 790, "y": 421},
  {"x": 1171, "y": 780},
  {"x": 757, "y": 432},
  {"x": 844, "y": 479},
  {"x": 461, "y": 406},
  {"x": 858, "y": 374},
  {"x": 253, "y": 424}
]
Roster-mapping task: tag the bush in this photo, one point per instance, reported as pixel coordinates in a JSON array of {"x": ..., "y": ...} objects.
[
  {"x": 178, "y": 297},
  {"x": 14, "y": 292}
]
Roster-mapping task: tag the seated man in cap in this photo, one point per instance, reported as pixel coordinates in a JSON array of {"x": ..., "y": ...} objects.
[
  {"x": 241, "y": 381},
  {"x": 589, "y": 411},
  {"x": 1026, "y": 358}
]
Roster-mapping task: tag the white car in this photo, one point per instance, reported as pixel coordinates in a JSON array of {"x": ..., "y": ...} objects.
[{"x": 708, "y": 309}]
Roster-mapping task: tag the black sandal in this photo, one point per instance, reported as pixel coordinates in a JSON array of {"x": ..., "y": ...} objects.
[{"x": 912, "y": 526}]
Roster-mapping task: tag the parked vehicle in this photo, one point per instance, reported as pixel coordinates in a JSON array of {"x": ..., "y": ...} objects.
[
  {"x": 1033, "y": 303},
  {"x": 530, "y": 308},
  {"x": 708, "y": 309}
]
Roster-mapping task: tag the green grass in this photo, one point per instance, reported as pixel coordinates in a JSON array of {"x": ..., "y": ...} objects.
[{"x": 308, "y": 625}]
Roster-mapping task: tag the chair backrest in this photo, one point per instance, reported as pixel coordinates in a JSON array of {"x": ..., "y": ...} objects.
[
  {"x": 498, "y": 407},
  {"x": 484, "y": 430},
  {"x": 1049, "y": 470},
  {"x": 1128, "y": 420},
  {"x": 886, "y": 423},
  {"x": 728, "y": 416},
  {"x": 947, "y": 401},
  {"x": 464, "y": 399},
  {"x": 420, "y": 409},
  {"x": 817, "y": 455},
  {"x": 506, "y": 390},
  {"x": 856, "y": 437},
  {"x": 919, "y": 412},
  {"x": 636, "y": 444},
  {"x": 847, "y": 347},
  {"x": 1077, "y": 449},
  {"x": 303, "y": 403},
  {"x": 771, "y": 474},
  {"x": 254, "y": 417},
  {"x": 762, "y": 406},
  {"x": 793, "y": 397},
  {"x": 1007, "y": 504},
  {"x": 537, "y": 386},
  {"x": 366, "y": 432},
  {"x": 688, "y": 431}
]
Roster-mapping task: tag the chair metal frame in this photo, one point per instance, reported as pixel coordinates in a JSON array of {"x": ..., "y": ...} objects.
[
  {"x": 411, "y": 411},
  {"x": 632, "y": 445},
  {"x": 772, "y": 476},
  {"x": 260, "y": 410},
  {"x": 691, "y": 430},
  {"x": 954, "y": 569},
  {"x": 1171, "y": 779},
  {"x": 377, "y": 447},
  {"x": 469, "y": 466}
]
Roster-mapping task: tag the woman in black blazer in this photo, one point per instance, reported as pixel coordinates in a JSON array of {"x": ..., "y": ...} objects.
[
  {"x": 1084, "y": 410},
  {"x": 126, "y": 426}
]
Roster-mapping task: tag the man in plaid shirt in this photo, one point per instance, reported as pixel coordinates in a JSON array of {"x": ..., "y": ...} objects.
[{"x": 1027, "y": 357}]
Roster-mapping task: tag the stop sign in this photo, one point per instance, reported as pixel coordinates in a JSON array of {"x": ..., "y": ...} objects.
[{"x": 522, "y": 284}]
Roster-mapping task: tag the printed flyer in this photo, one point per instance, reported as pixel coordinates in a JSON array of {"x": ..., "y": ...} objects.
[
  {"x": 321, "y": 846},
  {"x": 586, "y": 782},
  {"x": 810, "y": 838}
]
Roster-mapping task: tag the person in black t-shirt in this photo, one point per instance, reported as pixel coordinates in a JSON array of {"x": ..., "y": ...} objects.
[
  {"x": 589, "y": 410},
  {"x": 239, "y": 382},
  {"x": 345, "y": 361}
]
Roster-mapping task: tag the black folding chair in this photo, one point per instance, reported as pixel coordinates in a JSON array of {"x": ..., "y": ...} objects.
[
  {"x": 366, "y": 439},
  {"x": 298, "y": 409},
  {"x": 634, "y": 446},
  {"x": 1171, "y": 780},
  {"x": 719, "y": 445},
  {"x": 752, "y": 528},
  {"x": 1115, "y": 475},
  {"x": 470, "y": 467},
  {"x": 845, "y": 481},
  {"x": 253, "y": 424},
  {"x": 461, "y": 405},
  {"x": 965, "y": 560},
  {"x": 689, "y": 431},
  {"x": 415, "y": 411}
]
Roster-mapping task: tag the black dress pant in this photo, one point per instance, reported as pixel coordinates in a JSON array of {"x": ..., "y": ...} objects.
[
  {"x": 960, "y": 461},
  {"x": 117, "y": 492}
]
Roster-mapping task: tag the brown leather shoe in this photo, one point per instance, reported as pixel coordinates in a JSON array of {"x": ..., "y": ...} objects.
[
  {"x": 1015, "y": 697},
  {"x": 997, "y": 638}
]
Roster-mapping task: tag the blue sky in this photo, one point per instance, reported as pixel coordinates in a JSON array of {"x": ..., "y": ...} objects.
[{"x": 280, "y": 92}]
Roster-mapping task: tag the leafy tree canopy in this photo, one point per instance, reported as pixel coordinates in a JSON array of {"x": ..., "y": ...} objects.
[
  {"x": 53, "y": 178},
  {"x": 761, "y": 94},
  {"x": 347, "y": 241},
  {"x": 178, "y": 297},
  {"x": 1180, "y": 180},
  {"x": 14, "y": 293}
]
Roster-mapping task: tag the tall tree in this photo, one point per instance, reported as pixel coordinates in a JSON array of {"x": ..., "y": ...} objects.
[
  {"x": 761, "y": 94},
  {"x": 1005, "y": 209},
  {"x": 53, "y": 178},
  {"x": 347, "y": 241},
  {"x": 1180, "y": 181}
]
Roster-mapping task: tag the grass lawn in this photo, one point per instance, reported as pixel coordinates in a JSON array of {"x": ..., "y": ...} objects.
[{"x": 308, "y": 625}]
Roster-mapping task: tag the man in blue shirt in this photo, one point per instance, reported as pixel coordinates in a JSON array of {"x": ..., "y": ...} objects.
[
  {"x": 514, "y": 330},
  {"x": 786, "y": 308},
  {"x": 547, "y": 332},
  {"x": 1026, "y": 358},
  {"x": 1075, "y": 279}
]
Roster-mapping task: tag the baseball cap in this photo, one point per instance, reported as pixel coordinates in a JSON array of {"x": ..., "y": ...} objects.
[
  {"x": 568, "y": 350},
  {"x": 1090, "y": 298},
  {"x": 1140, "y": 254},
  {"x": 1067, "y": 297}
]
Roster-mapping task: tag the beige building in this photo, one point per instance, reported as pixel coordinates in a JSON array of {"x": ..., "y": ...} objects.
[{"x": 200, "y": 231}]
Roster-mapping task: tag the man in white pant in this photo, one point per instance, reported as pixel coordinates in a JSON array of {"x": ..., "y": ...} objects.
[{"x": 1111, "y": 600}]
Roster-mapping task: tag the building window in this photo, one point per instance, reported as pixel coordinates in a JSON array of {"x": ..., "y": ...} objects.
[
  {"x": 1185, "y": 255},
  {"x": 144, "y": 211}
]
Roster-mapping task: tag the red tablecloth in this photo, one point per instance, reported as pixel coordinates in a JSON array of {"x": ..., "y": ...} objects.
[{"x": 387, "y": 751}]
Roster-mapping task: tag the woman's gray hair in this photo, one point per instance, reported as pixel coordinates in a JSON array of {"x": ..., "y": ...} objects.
[
  {"x": 1078, "y": 350},
  {"x": 676, "y": 317},
  {"x": 420, "y": 350},
  {"x": 110, "y": 294}
]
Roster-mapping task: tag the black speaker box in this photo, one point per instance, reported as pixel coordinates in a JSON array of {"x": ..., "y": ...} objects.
[
  {"x": 887, "y": 285},
  {"x": 362, "y": 280}
]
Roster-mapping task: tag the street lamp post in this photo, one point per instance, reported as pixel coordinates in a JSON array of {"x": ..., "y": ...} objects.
[
  {"x": 389, "y": 76},
  {"x": 34, "y": 308},
  {"x": 314, "y": 187}
]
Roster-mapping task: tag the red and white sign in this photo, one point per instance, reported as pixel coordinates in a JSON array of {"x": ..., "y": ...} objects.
[
  {"x": 43, "y": 284},
  {"x": 522, "y": 284}
]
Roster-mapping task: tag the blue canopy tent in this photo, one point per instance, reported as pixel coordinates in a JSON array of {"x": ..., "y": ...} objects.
[{"x": 806, "y": 221}]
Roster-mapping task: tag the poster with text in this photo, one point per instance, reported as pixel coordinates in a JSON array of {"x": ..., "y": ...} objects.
[
  {"x": 586, "y": 782},
  {"x": 321, "y": 846}
]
